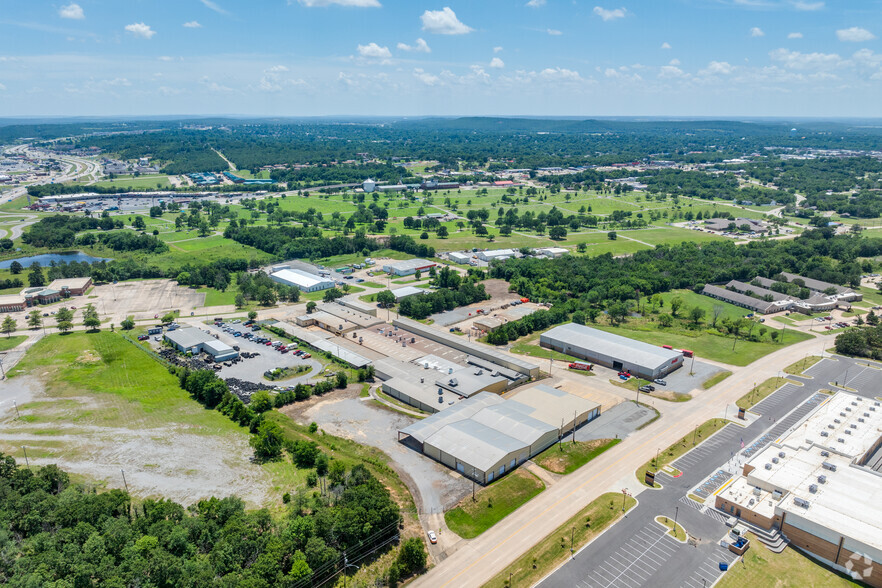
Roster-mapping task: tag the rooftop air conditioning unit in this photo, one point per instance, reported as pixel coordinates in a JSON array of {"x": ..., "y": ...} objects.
[
  {"x": 757, "y": 491},
  {"x": 774, "y": 460},
  {"x": 822, "y": 479},
  {"x": 842, "y": 414},
  {"x": 853, "y": 426},
  {"x": 825, "y": 453},
  {"x": 866, "y": 414},
  {"x": 830, "y": 426},
  {"x": 801, "y": 502},
  {"x": 861, "y": 420},
  {"x": 837, "y": 421},
  {"x": 440, "y": 391},
  {"x": 479, "y": 372},
  {"x": 825, "y": 434},
  {"x": 453, "y": 382},
  {"x": 848, "y": 431},
  {"x": 813, "y": 488},
  {"x": 781, "y": 454},
  {"x": 873, "y": 408},
  {"x": 854, "y": 403},
  {"x": 848, "y": 409},
  {"x": 841, "y": 440},
  {"x": 829, "y": 466},
  {"x": 768, "y": 466}
]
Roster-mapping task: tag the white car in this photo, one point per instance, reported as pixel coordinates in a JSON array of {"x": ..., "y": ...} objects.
[{"x": 432, "y": 538}]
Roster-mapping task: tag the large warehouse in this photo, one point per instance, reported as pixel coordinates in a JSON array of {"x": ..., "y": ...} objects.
[
  {"x": 194, "y": 341},
  {"x": 486, "y": 436},
  {"x": 613, "y": 351},
  {"x": 408, "y": 266},
  {"x": 303, "y": 281}
]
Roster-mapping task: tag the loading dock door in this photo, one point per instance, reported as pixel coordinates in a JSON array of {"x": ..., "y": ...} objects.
[
  {"x": 511, "y": 466},
  {"x": 617, "y": 365},
  {"x": 460, "y": 468},
  {"x": 489, "y": 476},
  {"x": 502, "y": 469}
]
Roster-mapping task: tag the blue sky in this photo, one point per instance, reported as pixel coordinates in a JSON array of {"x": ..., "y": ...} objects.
[{"x": 453, "y": 57}]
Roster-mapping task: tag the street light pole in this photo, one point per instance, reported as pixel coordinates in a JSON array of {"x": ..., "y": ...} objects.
[{"x": 657, "y": 451}]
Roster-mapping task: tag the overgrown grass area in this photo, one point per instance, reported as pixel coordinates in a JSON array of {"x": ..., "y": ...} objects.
[
  {"x": 798, "y": 367},
  {"x": 788, "y": 569},
  {"x": 524, "y": 348},
  {"x": 555, "y": 548},
  {"x": 716, "y": 379},
  {"x": 493, "y": 503},
  {"x": 7, "y": 343},
  {"x": 679, "y": 448},
  {"x": 760, "y": 392},
  {"x": 567, "y": 457}
]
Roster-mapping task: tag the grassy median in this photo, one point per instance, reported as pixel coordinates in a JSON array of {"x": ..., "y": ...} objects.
[
  {"x": 493, "y": 503},
  {"x": 798, "y": 367},
  {"x": 554, "y": 549},
  {"x": 567, "y": 457},
  {"x": 679, "y": 448}
]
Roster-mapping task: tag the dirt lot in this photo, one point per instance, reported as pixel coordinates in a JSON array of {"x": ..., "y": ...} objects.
[
  {"x": 171, "y": 462},
  {"x": 343, "y": 413},
  {"x": 142, "y": 299}
]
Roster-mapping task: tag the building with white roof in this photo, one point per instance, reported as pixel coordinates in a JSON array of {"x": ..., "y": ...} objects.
[
  {"x": 404, "y": 292},
  {"x": 820, "y": 485},
  {"x": 460, "y": 256},
  {"x": 194, "y": 341},
  {"x": 553, "y": 252},
  {"x": 303, "y": 281},
  {"x": 408, "y": 267},
  {"x": 492, "y": 254},
  {"x": 611, "y": 350}
]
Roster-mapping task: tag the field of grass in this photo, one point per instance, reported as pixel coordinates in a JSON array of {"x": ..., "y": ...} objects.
[
  {"x": 691, "y": 299},
  {"x": 7, "y": 343},
  {"x": 215, "y": 297},
  {"x": 675, "y": 530},
  {"x": 788, "y": 569},
  {"x": 555, "y": 548},
  {"x": 567, "y": 457},
  {"x": 758, "y": 393},
  {"x": 679, "y": 448},
  {"x": 716, "y": 379},
  {"x": 493, "y": 503},
  {"x": 798, "y": 367},
  {"x": 139, "y": 183}
]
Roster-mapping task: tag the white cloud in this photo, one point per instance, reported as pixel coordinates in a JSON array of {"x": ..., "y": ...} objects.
[
  {"x": 665, "y": 45},
  {"x": 72, "y": 11},
  {"x": 426, "y": 78},
  {"x": 807, "y": 6},
  {"x": 610, "y": 13},
  {"x": 674, "y": 62},
  {"x": 757, "y": 32},
  {"x": 213, "y": 6},
  {"x": 671, "y": 71},
  {"x": 444, "y": 22},
  {"x": 139, "y": 29},
  {"x": 2, "y": 87},
  {"x": 497, "y": 63},
  {"x": 497, "y": 49},
  {"x": 559, "y": 73},
  {"x": 794, "y": 36},
  {"x": 277, "y": 68},
  {"x": 855, "y": 35},
  {"x": 192, "y": 25},
  {"x": 536, "y": 3},
  {"x": 166, "y": 58},
  {"x": 352, "y": 3},
  {"x": 420, "y": 46},
  {"x": 721, "y": 68},
  {"x": 374, "y": 51},
  {"x": 553, "y": 32},
  {"x": 806, "y": 61}
]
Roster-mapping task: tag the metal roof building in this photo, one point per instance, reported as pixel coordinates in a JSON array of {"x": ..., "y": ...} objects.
[
  {"x": 613, "y": 351},
  {"x": 193, "y": 340},
  {"x": 408, "y": 266},
  {"x": 401, "y": 293},
  {"x": 496, "y": 254},
  {"x": 303, "y": 281},
  {"x": 745, "y": 301},
  {"x": 486, "y": 436}
]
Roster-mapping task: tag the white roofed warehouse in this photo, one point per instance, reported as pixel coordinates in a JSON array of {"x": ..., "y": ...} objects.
[
  {"x": 408, "y": 267},
  {"x": 613, "y": 351},
  {"x": 194, "y": 341},
  {"x": 303, "y": 281}
]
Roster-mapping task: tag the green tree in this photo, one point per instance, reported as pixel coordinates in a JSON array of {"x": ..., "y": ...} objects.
[
  {"x": 139, "y": 223},
  {"x": 267, "y": 443},
  {"x": 252, "y": 314},
  {"x": 90, "y": 318},
  {"x": 340, "y": 380},
  {"x": 266, "y": 296},
  {"x": 128, "y": 323},
  {"x": 442, "y": 232},
  {"x": 336, "y": 473},
  {"x": 261, "y": 401},
  {"x": 36, "y": 278},
  {"x": 64, "y": 319},
  {"x": 239, "y": 301},
  {"x": 204, "y": 229},
  {"x": 310, "y": 307},
  {"x": 412, "y": 557},
  {"x": 665, "y": 320},
  {"x": 582, "y": 247},
  {"x": 300, "y": 571},
  {"x": 612, "y": 236},
  {"x": 168, "y": 317},
  {"x": 16, "y": 268},
  {"x": 557, "y": 233},
  {"x": 696, "y": 313},
  {"x": 9, "y": 325},
  {"x": 676, "y": 305},
  {"x": 34, "y": 319},
  {"x": 183, "y": 278},
  {"x": 386, "y": 298}
]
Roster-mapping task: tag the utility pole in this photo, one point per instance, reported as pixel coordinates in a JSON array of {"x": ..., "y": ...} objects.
[
  {"x": 124, "y": 480},
  {"x": 27, "y": 463},
  {"x": 693, "y": 435},
  {"x": 572, "y": 546},
  {"x": 657, "y": 451},
  {"x": 473, "y": 484},
  {"x": 574, "y": 427},
  {"x": 17, "y": 414}
]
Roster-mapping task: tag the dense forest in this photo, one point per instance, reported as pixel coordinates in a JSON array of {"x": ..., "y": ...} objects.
[{"x": 55, "y": 533}]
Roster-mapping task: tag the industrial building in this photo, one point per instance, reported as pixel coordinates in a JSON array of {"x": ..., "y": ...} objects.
[
  {"x": 486, "y": 436},
  {"x": 613, "y": 351},
  {"x": 492, "y": 254},
  {"x": 553, "y": 252},
  {"x": 460, "y": 257},
  {"x": 820, "y": 486},
  {"x": 194, "y": 341},
  {"x": 303, "y": 281},
  {"x": 408, "y": 267},
  {"x": 401, "y": 293},
  {"x": 482, "y": 352},
  {"x": 745, "y": 301},
  {"x": 337, "y": 319}
]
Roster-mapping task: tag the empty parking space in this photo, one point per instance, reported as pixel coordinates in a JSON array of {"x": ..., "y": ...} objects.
[
  {"x": 783, "y": 425},
  {"x": 709, "y": 569},
  {"x": 782, "y": 397},
  {"x": 728, "y": 435},
  {"x": 636, "y": 561}
]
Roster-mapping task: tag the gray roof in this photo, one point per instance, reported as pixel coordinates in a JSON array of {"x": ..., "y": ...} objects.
[
  {"x": 482, "y": 446},
  {"x": 816, "y": 285},
  {"x": 187, "y": 337},
  {"x": 737, "y": 298},
  {"x": 636, "y": 352},
  {"x": 468, "y": 382},
  {"x": 409, "y": 264},
  {"x": 513, "y": 420},
  {"x": 758, "y": 290},
  {"x": 406, "y": 291},
  {"x": 422, "y": 430},
  {"x": 548, "y": 404},
  {"x": 217, "y": 347}
]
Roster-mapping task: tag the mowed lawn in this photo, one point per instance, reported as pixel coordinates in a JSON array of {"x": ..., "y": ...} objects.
[
  {"x": 493, "y": 503},
  {"x": 7, "y": 343},
  {"x": 130, "y": 389}
]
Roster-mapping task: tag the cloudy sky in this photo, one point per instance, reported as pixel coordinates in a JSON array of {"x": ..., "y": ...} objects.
[{"x": 454, "y": 57}]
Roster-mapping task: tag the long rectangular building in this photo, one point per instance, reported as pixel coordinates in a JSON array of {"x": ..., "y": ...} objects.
[
  {"x": 745, "y": 301},
  {"x": 613, "y": 351},
  {"x": 193, "y": 340},
  {"x": 303, "y": 281}
]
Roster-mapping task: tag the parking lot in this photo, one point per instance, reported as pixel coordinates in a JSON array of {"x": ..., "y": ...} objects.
[
  {"x": 681, "y": 381},
  {"x": 862, "y": 375}
]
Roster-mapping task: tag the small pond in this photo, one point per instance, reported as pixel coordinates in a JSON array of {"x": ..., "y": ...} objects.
[{"x": 46, "y": 259}]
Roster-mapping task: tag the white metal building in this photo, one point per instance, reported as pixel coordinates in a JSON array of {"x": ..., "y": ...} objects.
[
  {"x": 553, "y": 252},
  {"x": 408, "y": 267},
  {"x": 492, "y": 254},
  {"x": 303, "y": 281},
  {"x": 406, "y": 291},
  {"x": 613, "y": 351},
  {"x": 460, "y": 257},
  {"x": 193, "y": 340}
]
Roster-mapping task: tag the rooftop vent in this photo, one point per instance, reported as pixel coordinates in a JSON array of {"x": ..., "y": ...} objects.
[
  {"x": 829, "y": 466},
  {"x": 866, "y": 414},
  {"x": 842, "y": 414},
  {"x": 848, "y": 409},
  {"x": 825, "y": 453},
  {"x": 841, "y": 440},
  {"x": 813, "y": 488},
  {"x": 822, "y": 479},
  {"x": 768, "y": 466},
  {"x": 781, "y": 454},
  {"x": 801, "y": 502},
  {"x": 854, "y": 403},
  {"x": 453, "y": 382},
  {"x": 830, "y": 426},
  {"x": 848, "y": 431},
  {"x": 854, "y": 426},
  {"x": 825, "y": 434},
  {"x": 774, "y": 460},
  {"x": 861, "y": 420},
  {"x": 757, "y": 491},
  {"x": 479, "y": 372}
]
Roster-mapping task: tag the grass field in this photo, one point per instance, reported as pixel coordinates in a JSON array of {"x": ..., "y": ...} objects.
[
  {"x": 798, "y": 367},
  {"x": 493, "y": 503},
  {"x": 788, "y": 569},
  {"x": 679, "y": 448},
  {"x": 716, "y": 379},
  {"x": 567, "y": 457},
  {"x": 556, "y": 547},
  {"x": 7, "y": 343},
  {"x": 759, "y": 392}
]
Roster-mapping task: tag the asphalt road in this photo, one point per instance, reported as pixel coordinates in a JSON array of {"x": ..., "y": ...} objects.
[{"x": 635, "y": 552}]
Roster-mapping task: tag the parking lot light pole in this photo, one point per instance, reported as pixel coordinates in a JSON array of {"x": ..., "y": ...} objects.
[
  {"x": 572, "y": 543},
  {"x": 657, "y": 451}
]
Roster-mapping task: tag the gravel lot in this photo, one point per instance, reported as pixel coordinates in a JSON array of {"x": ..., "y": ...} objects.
[{"x": 343, "y": 413}]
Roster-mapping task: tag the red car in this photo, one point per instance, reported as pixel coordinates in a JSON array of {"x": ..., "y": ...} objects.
[
  {"x": 143, "y": 337},
  {"x": 306, "y": 356}
]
